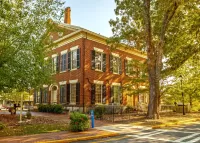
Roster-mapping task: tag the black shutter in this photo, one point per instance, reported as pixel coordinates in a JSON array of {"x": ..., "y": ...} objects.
[
  {"x": 112, "y": 94},
  {"x": 104, "y": 94},
  {"x": 104, "y": 62},
  {"x": 111, "y": 63},
  {"x": 68, "y": 93},
  {"x": 93, "y": 94},
  {"x": 120, "y": 66},
  {"x": 57, "y": 63},
  {"x": 77, "y": 93},
  {"x": 93, "y": 59},
  {"x": 120, "y": 95},
  {"x": 69, "y": 61},
  {"x": 78, "y": 58}
]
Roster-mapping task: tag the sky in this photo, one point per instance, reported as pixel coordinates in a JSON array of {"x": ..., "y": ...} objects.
[{"x": 93, "y": 15}]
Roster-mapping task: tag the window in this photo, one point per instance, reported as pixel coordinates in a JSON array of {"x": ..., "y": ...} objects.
[
  {"x": 55, "y": 64},
  {"x": 116, "y": 94},
  {"x": 45, "y": 95},
  {"x": 37, "y": 96},
  {"x": 98, "y": 61},
  {"x": 74, "y": 59},
  {"x": 98, "y": 93},
  {"x": 115, "y": 64},
  {"x": 63, "y": 62},
  {"x": 62, "y": 93},
  {"x": 72, "y": 93}
]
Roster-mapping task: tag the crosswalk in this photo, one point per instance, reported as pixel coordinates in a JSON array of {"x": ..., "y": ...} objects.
[{"x": 165, "y": 135}]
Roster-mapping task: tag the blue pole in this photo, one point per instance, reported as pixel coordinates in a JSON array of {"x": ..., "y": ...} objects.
[{"x": 92, "y": 118}]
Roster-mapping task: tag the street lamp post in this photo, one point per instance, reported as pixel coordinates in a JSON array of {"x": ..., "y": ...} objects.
[{"x": 182, "y": 94}]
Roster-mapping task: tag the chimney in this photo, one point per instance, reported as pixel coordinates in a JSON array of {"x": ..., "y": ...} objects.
[{"x": 67, "y": 15}]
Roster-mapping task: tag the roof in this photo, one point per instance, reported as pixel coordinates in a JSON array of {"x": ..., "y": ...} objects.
[{"x": 78, "y": 29}]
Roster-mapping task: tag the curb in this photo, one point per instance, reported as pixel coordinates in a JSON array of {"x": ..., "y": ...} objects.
[
  {"x": 81, "y": 138},
  {"x": 175, "y": 124}
]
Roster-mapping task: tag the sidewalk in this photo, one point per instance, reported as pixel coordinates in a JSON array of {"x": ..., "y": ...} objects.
[{"x": 59, "y": 136}]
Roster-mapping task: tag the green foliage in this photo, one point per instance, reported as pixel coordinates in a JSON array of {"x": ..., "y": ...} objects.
[
  {"x": 2, "y": 126},
  {"x": 22, "y": 43},
  {"x": 28, "y": 115},
  {"x": 99, "y": 111},
  {"x": 57, "y": 108},
  {"x": 78, "y": 122}
]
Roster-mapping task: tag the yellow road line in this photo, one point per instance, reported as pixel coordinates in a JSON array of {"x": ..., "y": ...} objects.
[{"x": 112, "y": 139}]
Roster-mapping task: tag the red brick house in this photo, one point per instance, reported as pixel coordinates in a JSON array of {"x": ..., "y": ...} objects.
[{"x": 86, "y": 71}]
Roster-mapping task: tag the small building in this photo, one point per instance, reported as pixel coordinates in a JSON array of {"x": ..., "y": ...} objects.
[{"x": 86, "y": 71}]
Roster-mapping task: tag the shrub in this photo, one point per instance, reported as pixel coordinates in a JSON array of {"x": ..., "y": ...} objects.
[
  {"x": 99, "y": 111},
  {"x": 2, "y": 126},
  {"x": 78, "y": 122},
  {"x": 28, "y": 115},
  {"x": 50, "y": 108}
]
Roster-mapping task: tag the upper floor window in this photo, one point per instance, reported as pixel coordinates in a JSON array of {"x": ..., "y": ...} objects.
[
  {"x": 63, "y": 63},
  {"x": 55, "y": 63},
  {"x": 115, "y": 64},
  {"x": 74, "y": 58},
  {"x": 98, "y": 60}
]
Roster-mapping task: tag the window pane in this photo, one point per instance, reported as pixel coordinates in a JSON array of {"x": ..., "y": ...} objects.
[
  {"x": 116, "y": 94},
  {"x": 74, "y": 59},
  {"x": 54, "y": 60},
  {"x": 115, "y": 65},
  {"x": 98, "y": 61},
  {"x": 98, "y": 93},
  {"x": 73, "y": 93},
  {"x": 62, "y": 94},
  {"x": 63, "y": 62}
]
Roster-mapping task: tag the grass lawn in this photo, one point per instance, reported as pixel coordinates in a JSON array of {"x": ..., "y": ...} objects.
[{"x": 36, "y": 125}]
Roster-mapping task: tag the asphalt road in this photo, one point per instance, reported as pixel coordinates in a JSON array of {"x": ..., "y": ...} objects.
[{"x": 133, "y": 134}]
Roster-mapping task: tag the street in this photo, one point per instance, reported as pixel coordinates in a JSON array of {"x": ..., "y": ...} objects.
[{"x": 129, "y": 134}]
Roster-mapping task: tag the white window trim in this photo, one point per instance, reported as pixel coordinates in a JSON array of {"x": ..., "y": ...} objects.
[
  {"x": 98, "y": 50},
  {"x": 129, "y": 59},
  {"x": 73, "y": 81},
  {"x": 116, "y": 55},
  {"x": 62, "y": 82},
  {"x": 54, "y": 55},
  {"x": 63, "y": 52},
  {"x": 116, "y": 84},
  {"x": 98, "y": 82},
  {"x": 45, "y": 86},
  {"x": 74, "y": 48}
]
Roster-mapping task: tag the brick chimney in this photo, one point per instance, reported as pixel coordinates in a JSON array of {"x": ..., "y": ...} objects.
[{"x": 67, "y": 15}]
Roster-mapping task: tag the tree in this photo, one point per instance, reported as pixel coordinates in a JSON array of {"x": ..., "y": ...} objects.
[
  {"x": 147, "y": 25},
  {"x": 24, "y": 33}
]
